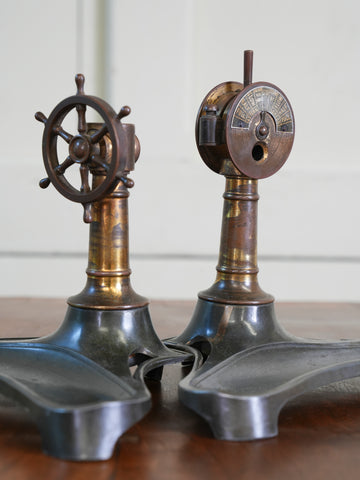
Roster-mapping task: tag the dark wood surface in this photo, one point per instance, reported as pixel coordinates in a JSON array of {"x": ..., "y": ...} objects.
[{"x": 319, "y": 433}]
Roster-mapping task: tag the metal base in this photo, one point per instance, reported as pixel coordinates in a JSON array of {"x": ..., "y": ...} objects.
[
  {"x": 77, "y": 383},
  {"x": 253, "y": 367}
]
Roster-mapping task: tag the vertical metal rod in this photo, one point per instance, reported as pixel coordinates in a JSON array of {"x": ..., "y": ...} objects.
[{"x": 248, "y": 67}]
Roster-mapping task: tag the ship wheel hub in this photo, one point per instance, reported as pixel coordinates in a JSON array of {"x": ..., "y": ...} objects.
[{"x": 79, "y": 149}]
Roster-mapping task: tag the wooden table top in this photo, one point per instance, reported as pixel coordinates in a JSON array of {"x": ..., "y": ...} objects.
[{"x": 319, "y": 432}]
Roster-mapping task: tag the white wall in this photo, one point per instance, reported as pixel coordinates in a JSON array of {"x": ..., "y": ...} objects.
[{"x": 161, "y": 58}]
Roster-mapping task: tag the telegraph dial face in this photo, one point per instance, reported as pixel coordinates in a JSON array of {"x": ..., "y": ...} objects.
[
  {"x": 259, "y": 130},
  {"x": 263, "y": 98}
]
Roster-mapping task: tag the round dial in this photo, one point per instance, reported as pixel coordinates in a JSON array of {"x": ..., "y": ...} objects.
[
  {"x": 259, "y": 130},
  {"x": 263, "y": 98},
  {"x": 248, "y": 126}
]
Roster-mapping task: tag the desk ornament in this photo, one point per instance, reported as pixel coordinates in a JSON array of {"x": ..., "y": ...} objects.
[
  {"x": 77, "y": 383},
  {"x": 251, "y": 367}
]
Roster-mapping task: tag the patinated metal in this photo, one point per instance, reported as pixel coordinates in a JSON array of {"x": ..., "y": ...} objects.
[
  {"x": 77, "y": 382},
  {"x": 249, "y": 126},
  {"x": 247, "y": 367},
  {"x": 108, "y": 146},
  {"x": 236, "y": 281},
  {"x": 108, "y": 284}
]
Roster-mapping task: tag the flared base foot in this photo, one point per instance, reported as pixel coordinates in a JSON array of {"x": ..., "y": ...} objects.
[
  {"x": 252, "y": 368},
  {"x": 77, "y": 383}
]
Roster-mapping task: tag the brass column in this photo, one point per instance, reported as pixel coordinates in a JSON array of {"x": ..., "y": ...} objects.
[
  {"x": 236, "y": 281},
  {"x": 108, "y": 285}
]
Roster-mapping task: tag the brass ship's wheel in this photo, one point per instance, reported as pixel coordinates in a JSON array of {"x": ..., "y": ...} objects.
[{"x": 94, "y": 148}]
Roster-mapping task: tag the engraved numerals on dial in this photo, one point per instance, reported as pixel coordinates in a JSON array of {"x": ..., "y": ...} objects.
[{"x": 263, "y": 99}]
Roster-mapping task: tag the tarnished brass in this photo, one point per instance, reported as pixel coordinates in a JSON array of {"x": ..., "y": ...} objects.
[
  {"x": 236, "y": 281},
  {"x": 77, "y": 382},
  {"x": 244, "y": 132},
  {"x": 88, "y": 148},
  {"x": 108, "y": 151},
  {"x": 248, "y": 366},
  {"x": 250, "y": 124},
  {"x": 108, "y": 285}
]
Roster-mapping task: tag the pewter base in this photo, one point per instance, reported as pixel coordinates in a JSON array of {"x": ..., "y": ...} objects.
[
  {"x": 254, "y": 368},
  {"x": 77, "y": 384}
]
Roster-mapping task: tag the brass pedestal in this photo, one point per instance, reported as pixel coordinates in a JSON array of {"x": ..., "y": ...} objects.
[
  {"x": 78, "y": 383},
  {"x": 247, "y": 367}
]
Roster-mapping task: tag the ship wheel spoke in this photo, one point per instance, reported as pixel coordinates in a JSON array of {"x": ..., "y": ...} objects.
[
  {"x": 98, "y": 135},
  {"x": 99, "y": 161},
  {"x": 81, "y": 110},
  {"x": 84, "y": 173},
  {"x": 60, "y": 169},
  {"x": 63, "y": 133}
]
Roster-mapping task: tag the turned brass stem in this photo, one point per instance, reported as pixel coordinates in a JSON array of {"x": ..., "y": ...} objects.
[
  {"x": 108, "y": 284},
  {"x": 236, "y": 280},
  {"x": 109, "y": 237}
]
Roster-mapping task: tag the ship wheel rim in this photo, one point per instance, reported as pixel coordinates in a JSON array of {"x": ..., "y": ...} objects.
[{"x": 50, "y": 154}]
